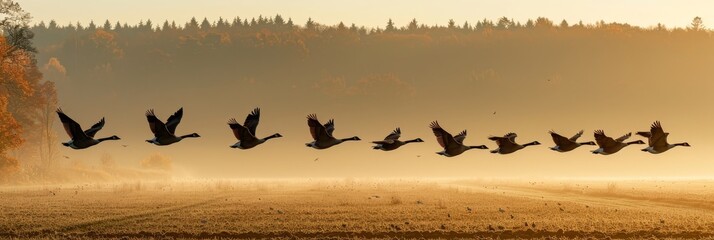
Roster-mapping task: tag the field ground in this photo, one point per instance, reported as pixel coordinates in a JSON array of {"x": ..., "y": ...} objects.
[{"x": 361, "y": 209}]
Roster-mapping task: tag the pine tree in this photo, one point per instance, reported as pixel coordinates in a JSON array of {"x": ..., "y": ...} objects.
[
  {"x": 452, "y": 24},
  {"x": 390, "y": 26},
  {"x": 697, "y": 24},
  {"x": 192, "y": 25},
  {"x": 413, "y": 25},
  {"x": 310, "y": 24},
  {"x": 564, "y": 24},
  {"x": 205, "y": 25},
  {"x": 278, "y": 20}
]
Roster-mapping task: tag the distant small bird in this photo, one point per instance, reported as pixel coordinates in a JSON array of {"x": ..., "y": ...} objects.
[
  {"x": 453, "y": 145},
  {"x": 563, "y": 144},
  {"x": 124, "y": 145},
  {"x": 316, "y": 159},
  {"x": 164, "y": 134},
  {"x": 246, "y": 133},
  {"x": 501, "y": 210},
  {"x": 81, "y": 139},
  {"x": 468, "y": 209},
  {"x": 657, "y": 140},
  {"x": 322, "y": 134},
  {"x": 507, "y": 144},
  {"x": 392, "y": 142},
  {"x": 66, "y": 157},
  {"x": 494, "y": 112},
  {"x": 609, "y": 146}
]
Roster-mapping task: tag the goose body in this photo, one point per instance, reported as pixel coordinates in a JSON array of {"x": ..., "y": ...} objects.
[
  {"x": 322, "y": 134},
  {"x": 453, "y": 145},
  {"x": 507, "y": 144},
  {"x": 563, "y": 144},
  {"x": 164, "y": 133},
  {"x": 657, "y": 140},
  {"x": 609, "y": 145},
  {"x": 81, "y": 139},
  {"x": 392, "y": 141},
  {"x": 246, "y": 133}
]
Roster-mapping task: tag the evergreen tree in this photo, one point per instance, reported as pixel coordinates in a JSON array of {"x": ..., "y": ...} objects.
[
  {"x": 192, "y": 25},
  {"x": 278, "y": 20},
  {"x": 205, "y": 25},
  {"x": 564, "y": 24},
  {"x": 390, "y": 26},
  {"x": 413, "y": 25},
  {"x": 107, "y": 25},
  {"x": 697, "y": 24},
  {"x": 452, "y": 24},
  {"x": 310, "y": 24}
]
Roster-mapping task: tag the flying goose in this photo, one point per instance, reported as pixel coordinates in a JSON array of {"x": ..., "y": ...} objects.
[
  {"x": 657, "y": 139},
  {"x": 507, "y": 144},
  {"x": 392, "y": 142},
  {"x": 164, "y": 133},
  {"x": 322, "y": 134},
  {"x": 81, "y": 139},
  {"x": 453, "y": 145},
  {"x": 246, "y": 133},
  {"x": 609, "y": 146},
  {"x": 563, "y": 144}
]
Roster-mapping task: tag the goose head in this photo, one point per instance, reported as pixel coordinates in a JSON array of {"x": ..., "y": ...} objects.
[
  {"x": 684, "y": 144},
  {"x": 192, "y": 135},
  {"x": 355, "y": 138}
]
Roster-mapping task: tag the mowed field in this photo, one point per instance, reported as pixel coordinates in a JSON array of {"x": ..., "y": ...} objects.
[{"x": 361, "y": 209}]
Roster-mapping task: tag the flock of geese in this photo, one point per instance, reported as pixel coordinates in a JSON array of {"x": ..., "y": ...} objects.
[{"x": 322, "y": 135}]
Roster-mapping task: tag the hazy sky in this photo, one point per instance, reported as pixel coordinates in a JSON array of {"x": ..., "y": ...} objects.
[{"x": 374, "y": 13}]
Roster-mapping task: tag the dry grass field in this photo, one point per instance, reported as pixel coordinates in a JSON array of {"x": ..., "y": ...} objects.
[{"x": 361, "y": 209}]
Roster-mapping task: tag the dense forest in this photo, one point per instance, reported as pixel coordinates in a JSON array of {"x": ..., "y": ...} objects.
[{"x": 276, "y": 62}]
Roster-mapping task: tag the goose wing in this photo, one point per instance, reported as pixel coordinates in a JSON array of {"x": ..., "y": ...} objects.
[
  {"x": 73, "y": 129},
  {"x": 240, "y": 132},
  {"x": 659, "y": 137},
  {"x": 604, "y": 141},
  {"x": 560, "y": 140},
  {"x": 95, "y": 128},
  {"x": 444, "y": 138},
  {"x": 506, "y": 141},
  {"x": 576, "y": 136},
  {"x": 174, "y": 120},
  {"x": 317, "y": 130},
  {"x": 624, "y": 137},
  {"x": 157, "y": 126},
  {"x": 251, "y": 121},
  {"x": 460, "y": 137},
  {"x": 394, "y": 135},
  {"x": 330, "y": 127}
]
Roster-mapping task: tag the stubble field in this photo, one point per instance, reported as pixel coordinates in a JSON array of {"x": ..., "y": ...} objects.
[{"x": 362, "y": 209}]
